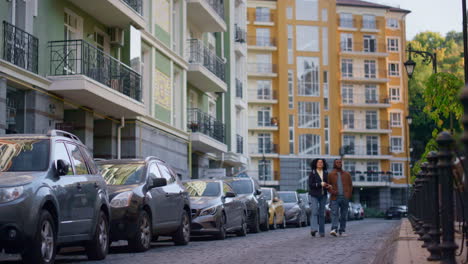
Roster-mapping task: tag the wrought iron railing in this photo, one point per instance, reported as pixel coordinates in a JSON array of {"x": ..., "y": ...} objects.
[
  {"x": 239, "y": 144},
  {"x": 78, "y": 57},
  {"x": 199, "y": 121},
  {"x": 241, "y": 34},
  {"x": 198, "y": 53},
  {"x": 353, "y": 98},
  {"x": 363, "y": 124},
  {"x": 218, "y": 6},
  {"x": 365, "y": 150},
  {"x": 137, "y": 5},
  {"x": 369, "y": 47},
  {"x": 239, "y": 88},
  {"x": 371, "y": 176},
  {"x": 20, "y": 47}
]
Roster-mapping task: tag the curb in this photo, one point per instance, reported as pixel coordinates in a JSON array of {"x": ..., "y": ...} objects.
[{"x": 386, "y": 253}]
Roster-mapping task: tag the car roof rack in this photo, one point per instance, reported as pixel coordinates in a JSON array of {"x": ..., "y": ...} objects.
[{"x": 56, "y": 132}]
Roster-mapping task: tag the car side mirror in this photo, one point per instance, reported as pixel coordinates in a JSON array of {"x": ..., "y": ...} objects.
[
  {"x": 63, "y": 167},
  {"x": 230, "y": 195},
  {"x": 158, "y": 182},
  {"x": 258, "y": 192}
]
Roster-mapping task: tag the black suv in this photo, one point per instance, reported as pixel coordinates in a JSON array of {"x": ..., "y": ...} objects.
[
  {"x": 51, "y": 194},
  {"x": 147, "y": 200}
]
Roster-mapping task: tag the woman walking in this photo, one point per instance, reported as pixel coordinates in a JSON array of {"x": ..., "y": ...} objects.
[{"x": 318, "y": 185}]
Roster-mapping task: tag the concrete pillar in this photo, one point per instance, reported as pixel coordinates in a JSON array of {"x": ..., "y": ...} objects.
[
  {"x": 42, "y": 112},
  {"x": 357, "y": 195},
  {"x": 385, "y": 198},
  {"x": 105, "y": 139},
  {"x": 83, "y": 125},
  {"x": 3, "y": 110}
]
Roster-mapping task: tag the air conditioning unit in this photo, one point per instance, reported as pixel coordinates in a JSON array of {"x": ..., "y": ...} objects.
[{"x": 116, "y": 36}]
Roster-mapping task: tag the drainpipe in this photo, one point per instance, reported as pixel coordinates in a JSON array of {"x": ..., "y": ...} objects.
[{"x": 119, "y": 135}]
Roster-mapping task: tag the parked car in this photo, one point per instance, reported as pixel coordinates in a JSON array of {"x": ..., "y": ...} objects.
[
  {"x": 393, "y": 212},
  {"x": 293, "y": 205},
  {"x": 403, "y": 210},
  {"x": 353, "y": 213},
  {"x": 358, "y": 211},
  {"x": 276, "y": 209},
  {"x": 51, "y": 195},
  {"x": 257, "y": 207},
  {"x": 327, "y": 213},
  {"x": 307, "y": 205},
  {"x": 216, "y": 209},
  {"x": 147, "y": 200}
]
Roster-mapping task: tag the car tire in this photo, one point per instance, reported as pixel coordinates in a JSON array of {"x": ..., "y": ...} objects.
[
  {"x": 255, "y": 228},
  {"x": 274, "y": 226},
  {"x": 44, "y": 238},
  {"x": 265, "y": 226},
  {"x": 98, "y": 247},
  {"x": 243, "y": 230},
  {"x": 141, "y": 242},
  {"x": 182, "y": 235},
  {"x": 221, "y": 235}
]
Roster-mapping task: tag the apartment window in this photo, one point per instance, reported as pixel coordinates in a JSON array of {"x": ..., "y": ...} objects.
[
  {"x": 349, "y": 145},
  {"x": 371, "y": 94},
  {"x": 264, "y": 170},
  {"x": 291, "y": 89},
  {"x": 263, "y": 37},
  {"x": 325, "y": 46},
  {"x": 307, "y": 38},
  {"x": 325, "y": 90},
  {"x": 396, "y": 144},
  {"x": 309, "y": 144},
  {"x": 291, "y": 134},
  {"x": 397, "y": 169},
  {"x": 307, "y": 10},
  {"x": 309, "y": 114},
  {"x": 262, "y": 14},
  {"x": 373, "y": 166},
  {"x": 289, "y": 12},
  {"x": 371, "y": 119},
  {"x": 394, "y": 69},
  {"x": 264, "y": 143},
  {"x": 347, "y": 67},
  {"x": 395, "y": 94},
  {"x": 368, "y": 22},
  {"x": 324, "y": 14},
  {"x": 348, "y": 119},
  {"x": 393, "y": 45},
  {"x": 264, "y": 90},
  {"x": 346, "y": 20},
  {"x": 346, "y": 42},
  {"x": 347, "y": 94},
  {"x": 290, "y": 44},
  {"x": 370, "y": 69},
  {"x": 392, "y": 23},
  {"x": 327, "y": 135},
  {"x": 395, "y": 119},
  {"x": 350, "y": 166},
  {"x": 264, "y": 117},
  {"x": 372, "y": 145},
  {"x": 308, "y": 76},
  {"x": 370, "y": 43}
]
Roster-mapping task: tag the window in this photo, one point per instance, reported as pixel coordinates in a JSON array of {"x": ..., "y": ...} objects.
[
  {"x": 89, "y": 160},
  {"x": 392, "y": 45},
  {"x": 290, "y": 44},
  {"x": 347, "y": 67},
  {"x": 307, "y": 38},
  {"x": 309, "y": 114},
  {"x": 346, "y": 42},
  {"x": 348, "y": 119},
  {"x": 397, "y": 169},
  {"x": 324, "y": 14},
  {"x": 395, "y": 94},
  {"x": 368, "y": 22},
  {"x": 371, "y": 120},
  {"x": 308, "y": 76},
  {"x": 61, "y": 154},
  {"x": 264, "y": 143},
  {"x": 347, "y": 94},
  {"x": 371, "y": 94},
  {"x": 350, "y": 166},
  {"x": 373, "y": 166},
  {"x": 346, "y": 20},
  {"x": 395, "y": 119},
  {"x": 291, "y": 89},
  {"x": 325, "y": 90},
  {"x": 264, "y": 117},
  {"x": 327, "y": 135},
  {"x": 289, "y": 12},
  {"x": 392, "y": 23},
  {"x": 372, "y": 144},
  {"x": 370, "y": 69},
  {"x": 263, "y": 37},
  {"x": 264, "y": 91},
  {"x": 291, "y": 134},
  {"x": 309, "y": 144},
  {"x": 264, "y": 170},
  {"x": 396, "y": 144},
  {"x": 394, "y": 69},
  {"x": 163, "y": 14},
  {"x": 166, "y": 173},
  {"x": 154, "y": 172},
  {"x": 370, "y": 43},
  {"x": 262, "y": 14},
  {"x": 325, "y": 46},
  {"x": 307, "y": 10},
  {"x": 264, "y": 63},
  {"x": 349, "y": 146},
  {"x": 77, "y": 159},
  {"x": 304, "y": 172}
]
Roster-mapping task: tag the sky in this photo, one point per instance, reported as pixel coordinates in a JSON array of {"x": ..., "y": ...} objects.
[{"x": 434, "y": 15}]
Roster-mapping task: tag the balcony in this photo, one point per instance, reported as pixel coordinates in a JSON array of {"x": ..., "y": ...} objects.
[
  {"x": 114, "y": 13},
  {"x": 260, "y": 69},
  {"x": 241, "y": 104},
  {"x": 374, "y": 152},
  {"x": 241, "y": 34},
  {"x": 89, "y": 76},
  {"x": 363, "y": 49},
  {"x": 263, "y": 97},
  {"x": 370, "y": 26},
  {"x": 261, "y": 43},
  {"x": 364, "y": 75},
  {"x": 239, "y": 144},
  {"x": 206, "y": 69},
  {"x": 239, "y": 88},
  {"x": 363, "y": 100},
  {"x": 262, "y": 19},
  {"x": 371, "y": 178},
  {"x": 347, "y": 24},
  {"x": 207, "y": 15},
  {"x": 20, "y": 48},
  {"x": 266, "y": 149},
  {"x": 265, "y": 124},
  {"x": 366, "y": 126},
  {"x": 208, "y": 134}
]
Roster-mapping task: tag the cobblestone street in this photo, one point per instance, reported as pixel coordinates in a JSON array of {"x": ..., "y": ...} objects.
[{"x": 293, "y": 245}]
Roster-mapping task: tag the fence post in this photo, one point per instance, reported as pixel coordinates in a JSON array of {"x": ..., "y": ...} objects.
[
  {"x": 426, "y": 217},
  {"x": 417, "y": 202},
  {"x": 464, "y": 100},
  {"x": 434, "y": 247}
]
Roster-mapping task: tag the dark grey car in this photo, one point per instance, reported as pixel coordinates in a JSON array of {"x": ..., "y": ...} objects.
[
  {"x": 216, "y": 209},
  {"x": 51, "y": 194},
  {"x": 307, "y": 205},
  {"x": 294, "y": 208}
]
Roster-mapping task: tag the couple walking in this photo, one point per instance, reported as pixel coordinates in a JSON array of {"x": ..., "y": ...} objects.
[{"x": 339, "y": 184}]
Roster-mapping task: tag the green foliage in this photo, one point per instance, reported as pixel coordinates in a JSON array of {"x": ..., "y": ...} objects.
[
  {"x": 301, "y": 191},
  {"x": 373, "y": 213}
]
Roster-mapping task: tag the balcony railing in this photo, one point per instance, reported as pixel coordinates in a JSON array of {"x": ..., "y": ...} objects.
[
  {"x": 239, "y": 88},
  {"x": 365, "y": 150},
  {"x": 371, "y": 176},
  {"x": 267, "y": 148},
  {"x": 198, "y": 53},
  {"x": 353, "y": 46},
  {"x": 347, "y": 23},
  {"x": 260, "y": 95},
  {"x": 363, "y": 98},
  {"x": 256, "y": 122},
  {"x": 261, "y": 41},
  {"x": 137, "y": 5},
  {"x": 370, "y": 24},
  {"x": 198, "y": 121},
  {"x": 20, "y": 47},
  {"x": 262, "y": 68},
  {"x": 78, "y": 57},
  {"x": 239, "y": 144},
  {"x": 363, "y": 73},
  {"x": 241, "y": 34},
  {"x": 218, "y": 6},
  {"x": 360, "y": 124},
  {"x": 265, "y": 17}
]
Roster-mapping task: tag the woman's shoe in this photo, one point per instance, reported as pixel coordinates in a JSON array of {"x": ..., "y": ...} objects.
[{"x": 313, "y": 232}]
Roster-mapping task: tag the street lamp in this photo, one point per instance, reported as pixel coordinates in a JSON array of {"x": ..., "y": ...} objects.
[
  {"x": 410, "y": 65},
  {"x": 427, "y": 57}
]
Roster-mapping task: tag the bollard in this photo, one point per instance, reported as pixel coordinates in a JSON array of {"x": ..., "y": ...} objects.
[
  {"x": 426, "y": 217},
  {"x": 448, "y": 246},
  {"x": 434, "y": 232}
]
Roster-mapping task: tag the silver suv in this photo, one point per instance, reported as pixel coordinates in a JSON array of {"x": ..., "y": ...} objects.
[{"x": 51, "y": 194}]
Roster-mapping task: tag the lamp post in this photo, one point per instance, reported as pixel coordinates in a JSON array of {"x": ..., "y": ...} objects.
[{"x": 427, "y": 57}]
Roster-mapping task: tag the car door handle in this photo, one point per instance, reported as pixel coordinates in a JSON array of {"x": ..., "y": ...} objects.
[{"x": 78, "y": 186}]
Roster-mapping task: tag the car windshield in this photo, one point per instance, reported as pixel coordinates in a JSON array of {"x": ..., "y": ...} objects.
[
  {"x": 242, "y": 187},
  {"x": 288, "y": 197},
  {"x": 305, "y": 197},
  {"x": 267, "y": 194},
  {"x": 122, "y": 174},
  {"x": 202, "y": 188},
  {"x": 24, "y": 154}
]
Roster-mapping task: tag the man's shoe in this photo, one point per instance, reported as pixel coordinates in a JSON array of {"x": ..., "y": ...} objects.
[
  {"x": 313, "y": 232},
  {"x": 342, "y": 233},
  {"x": 333, "y": 232}
]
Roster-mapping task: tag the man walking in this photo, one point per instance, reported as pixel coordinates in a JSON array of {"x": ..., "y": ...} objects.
[{"x": 341, "y": 192}]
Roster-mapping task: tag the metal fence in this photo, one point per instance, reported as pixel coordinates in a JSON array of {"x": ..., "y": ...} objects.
[
  {"x": 199, "y": 121},
  {"x": 137, "y": 5},
  {"x": 239, "y": 144},
  {"x": 20, "y": 47},
  {"x": 198, "y": 53}
]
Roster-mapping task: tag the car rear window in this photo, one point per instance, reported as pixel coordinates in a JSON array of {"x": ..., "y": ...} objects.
[
  {"x": 24, "y": 154},
  {"x": 122, "y": 174},
  {"x": 242, "y": 187}
]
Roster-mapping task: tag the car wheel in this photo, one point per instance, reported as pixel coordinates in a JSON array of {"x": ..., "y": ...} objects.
[
  {"x": 221, "y": 235},
  {"x": 43, "y": 247},
  {"x": 142, "y": 240},
  {"x": 274, "y": 226},
  {"x": 243, "y": 230},
  {"x": 182, "y": 235},
  {"x": 255, "y": 228},
  {"x": 265, "y": 226},
  {"x": 97, "y": 248}
]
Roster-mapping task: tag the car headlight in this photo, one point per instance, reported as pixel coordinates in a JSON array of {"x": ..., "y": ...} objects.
[
  {"x": 208, "y": 211},
  {"x": 10, "y": 194},
  {"x": 122, "y": 200}
]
